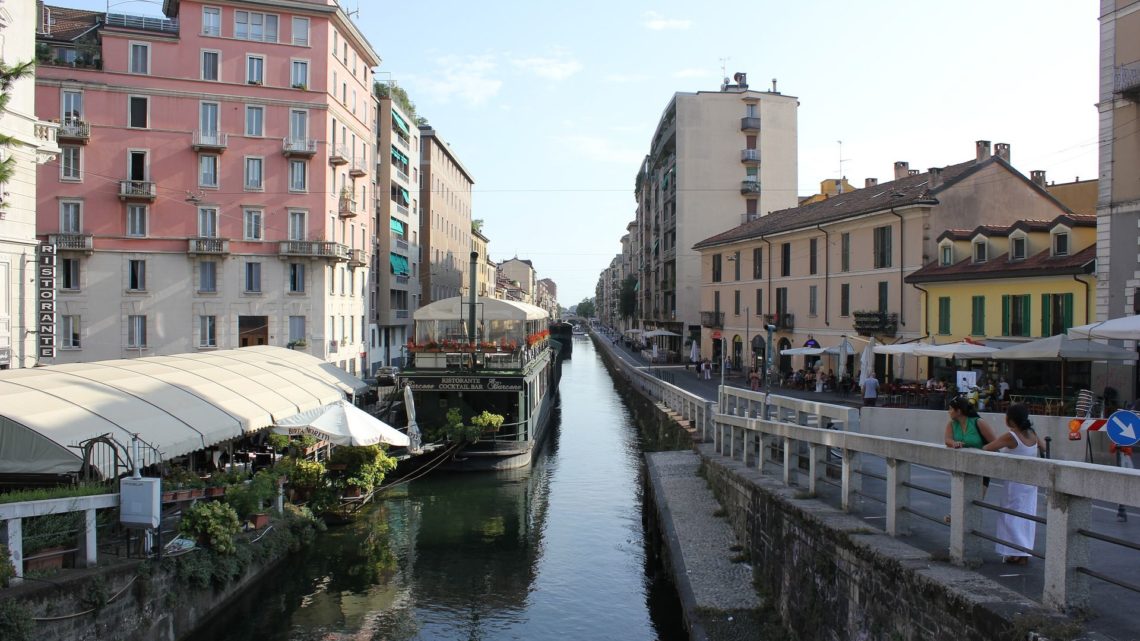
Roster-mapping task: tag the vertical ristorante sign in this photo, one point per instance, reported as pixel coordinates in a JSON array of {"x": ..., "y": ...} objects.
[{"x": 45, "y": 300}]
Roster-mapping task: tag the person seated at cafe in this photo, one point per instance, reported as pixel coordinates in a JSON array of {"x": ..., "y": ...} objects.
[
  {"x": 931, "y": 383},
  {"x": 1003, "y": 389}
]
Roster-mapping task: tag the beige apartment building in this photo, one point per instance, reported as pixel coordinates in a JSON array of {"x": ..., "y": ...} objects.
[
  {"x": 395, "y": 287},
  {"x": 548, "y": 297},
  {"x": 1118, "y": 200},
  {"x": 717, "y": 159},
  {"x": 486, "y": 268},
  {"x": 445, "y": 220},
  {"x": 523, "y": 277},
  {"x": 837, "y": 267}
]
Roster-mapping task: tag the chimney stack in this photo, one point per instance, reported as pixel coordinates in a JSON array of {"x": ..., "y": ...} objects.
[
  {"x": 902, "y": 169},
  {"x": 1038, "y": 177},
  {"x": 913, "y": 172},
  {"x": 935, "y": 179},
  {"x": 983, "y": 149},
  {"x": 870, "y": 182},
  {"x": 1001, "y": 150}
]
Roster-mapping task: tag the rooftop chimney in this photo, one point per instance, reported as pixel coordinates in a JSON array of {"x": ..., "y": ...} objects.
[
  {"x": 935, "y": 178},
  {"x": 774, "y": 86},
  {"x": 1001, "y": 150},
  {"x": 983, "y": 148},
  {"x": 1038, "y": 177},
  {"x": 870, "y": 182},
  {"x": 902, "y": 169}
]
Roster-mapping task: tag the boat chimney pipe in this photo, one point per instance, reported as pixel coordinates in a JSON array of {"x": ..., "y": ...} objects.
[{"x": 471, "y": 313}]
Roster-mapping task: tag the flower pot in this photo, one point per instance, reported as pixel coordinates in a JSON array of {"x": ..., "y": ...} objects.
[
  {"x": 353, "y": 492},
  {"x": 197, "y": 493},
  {"x": 259, "y": 520},
  {"x": 181, "y": 495},
  {"x": 168, "y": 497},
  {"x": 215, "y": 491}
]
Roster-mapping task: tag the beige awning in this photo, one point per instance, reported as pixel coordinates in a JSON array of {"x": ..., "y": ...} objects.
[{"x": 457, "y": 308}]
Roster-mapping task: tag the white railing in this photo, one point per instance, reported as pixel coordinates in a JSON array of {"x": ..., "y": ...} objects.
[{"x": 13, "y": 514}]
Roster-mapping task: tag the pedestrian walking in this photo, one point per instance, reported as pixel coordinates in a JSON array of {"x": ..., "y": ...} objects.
[
  {"x": 1020, "y": 440},
  {"x": 754, "y": 380},
  {"x": 870, "y": 390},
  {"x": 708, "y": 369}
]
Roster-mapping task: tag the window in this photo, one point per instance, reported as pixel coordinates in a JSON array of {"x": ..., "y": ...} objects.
[
  {"x": 978, "y": 316},
  {"x": 253, "y": 277},
  {"x": 882, "y": 246},
  {"x": 298, "y": 170},
  {"x": 300, "y": 31},
  {"x": 69, "y": 332},
  {"x": 207, "y": 331},
  {"x": 1015, "y": 315},
  {"x": 781, "y": 306},
  {"x": 208, "y": 222},
  {"x": 69, "y": 274},
  {"x": 1017, "y": 248},
  {"x": 254, "y": 120},
  {"x": 251, "y": 25},
  {"x": 299, "y": 75},
  {"x": 785, "y": 259},
  {"x": 208, "y": 115},
  {"x": 884, "y": 290},
  {"x": 140, "y": 58},
  {"x": 69, "y": 163},
  {"x": 296, "y": 328},
  {"x": 211, "y": 21},
  {"x": 946, "y": 254},
  {"x": 207, "y": 170},
  {"x": 136, "y": 331},
  {"x": 758, "y": 262},
  {"x": 296, "y": 225},
  {"x": 736, "y": 266},
  {"x": 296, "y": 277},
  {"x": 136, "y": 220},
  {"x": 70, "y": 216},
  {"x": 253, "y": 223},
  {"x": 845, "y": 252},
  {"x": 136, "y": 275},
  {"x": 980, "y": 251},
  {"x": 759, "y": 302},
  {"x": 208, "y": 276},
  {"x": 1060, "y": 244},
  {"x": 253, "y": 173},
  {"x": 813, "y": 252},
  {"x": 137, "y": 166},
  {"x": 845, "y": 299},
  {"x": 944, "y": 315},
  {"x": 1056, "y": 313},
  {"x": 255, "y": 70},
  {"x": 716, "y": 265},
  {"x": 72, "y": 107},
  {"x": 812, "y": 297},
  {"x": 211, "y": 62},
  {"x": 736, "y": 302},
  {"x": 138, "y": 112},
  {"x": 298, "y": 124},
  {"x": 716, "y": 304}
]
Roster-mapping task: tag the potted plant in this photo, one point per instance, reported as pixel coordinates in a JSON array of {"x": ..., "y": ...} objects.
[
  {"x": 300, "y": 85},
  {"x": 300, "y": 343},
  {"x": 48, "y": 538},
  {"x": 213, "y": 524},
  {"x": 248, "y": 499},
  {"x": 361, "y": 468}
]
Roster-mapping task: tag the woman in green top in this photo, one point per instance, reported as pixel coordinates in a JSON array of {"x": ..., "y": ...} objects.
[{"x": 967, "y": 429}]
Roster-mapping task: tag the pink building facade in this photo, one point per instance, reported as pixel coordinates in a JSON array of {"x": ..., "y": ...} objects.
[{"x": 215, "y": 178}]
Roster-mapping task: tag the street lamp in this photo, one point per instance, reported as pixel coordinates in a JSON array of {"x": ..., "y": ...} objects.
[
  {"x": 768, "y": 369},
  {"x": 723, "y": 353}
]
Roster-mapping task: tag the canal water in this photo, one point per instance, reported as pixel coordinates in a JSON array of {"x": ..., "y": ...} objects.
[{"x": 558, "y": 551}]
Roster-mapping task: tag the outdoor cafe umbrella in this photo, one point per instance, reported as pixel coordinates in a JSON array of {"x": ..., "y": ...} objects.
[
  {"x": 341, "y": 423},
  {"x": 867, "y": 361},
  {"x": 415, "y": 441},
  {"x": 694, "y": 351},
  {"x": 900, "y": 349},
  {"x": 1126, "y": 328},
  {"x": 845, "y": 350},
  {"x": 659, "y": 332},
  {"x": 959, "y": 350},
  {"x": 1063, "y": 348}
]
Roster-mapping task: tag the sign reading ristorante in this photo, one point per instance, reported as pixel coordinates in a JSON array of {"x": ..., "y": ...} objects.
[
  {"x": 45, "y": 300},
  {"x": 464, "y": 384}
]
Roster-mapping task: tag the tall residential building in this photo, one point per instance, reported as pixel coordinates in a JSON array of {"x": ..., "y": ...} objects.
[
  {"x": 445, "y": 220},
  {"x": 548, "y": 297},
  {"x": 485, "y": 267},
  {"x": 1118, "y": 199},
  {"x": 32, "y": 142},
  {"x": 717, "y": 159},
  {"x": 215, "y": 178},
  {"x": 396, "y": 286},
  {"x": 522, "y": 274}
]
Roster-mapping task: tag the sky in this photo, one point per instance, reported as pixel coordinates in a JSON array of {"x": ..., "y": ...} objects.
[{"x": 552, "y": 106}]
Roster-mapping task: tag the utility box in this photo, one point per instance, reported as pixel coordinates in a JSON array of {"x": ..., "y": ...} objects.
[{"x": 140, "y": 501}]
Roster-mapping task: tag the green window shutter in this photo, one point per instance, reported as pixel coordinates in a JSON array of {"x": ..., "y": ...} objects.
[
  {"x": 943, "y": 315},
  {"x": 1067, "y": 311},
  {"x": 1046, "y": 313},
  {"x": 978, "y": 311},
  {"x": 1025, "y": 322},
  {"x": 1005, "y": 314}
]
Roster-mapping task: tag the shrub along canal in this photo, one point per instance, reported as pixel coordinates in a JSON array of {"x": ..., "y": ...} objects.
[{"x": 553, "y": 552}]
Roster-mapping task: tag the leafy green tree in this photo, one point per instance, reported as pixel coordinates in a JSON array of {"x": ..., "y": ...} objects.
[
  {"x": 627, "y": 303},
  {"x": 398, "y": 95},
  {"x": 586, "y": 308},
  {"x": 8, "y": 76}
]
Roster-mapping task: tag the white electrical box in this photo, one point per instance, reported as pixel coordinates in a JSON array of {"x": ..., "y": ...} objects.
[{"x": 140, "y": 501}]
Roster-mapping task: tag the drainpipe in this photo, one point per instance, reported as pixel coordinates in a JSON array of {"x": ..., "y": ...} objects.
[
  {"x": 902, "y": 263},
  {"x": 826, "y": 273},
  {"x": 768, "y": 297},
  {"x": 926, "y": 310},
  {"x": 1086, "y": 284}
]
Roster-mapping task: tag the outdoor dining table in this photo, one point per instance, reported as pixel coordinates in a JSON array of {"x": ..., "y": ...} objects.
[{"x": 1040, "y": 403}]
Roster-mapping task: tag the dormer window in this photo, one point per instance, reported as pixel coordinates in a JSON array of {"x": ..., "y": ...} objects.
[
  {"x": 946, "y": 254},
  {"x": 1017, "y": 248},
  {"x": 1061, "y": 244},
  {"x": 980, "y": 251}
]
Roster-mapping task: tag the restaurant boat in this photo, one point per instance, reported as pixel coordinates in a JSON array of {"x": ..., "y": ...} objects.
[{"x": 484, "y": 354}]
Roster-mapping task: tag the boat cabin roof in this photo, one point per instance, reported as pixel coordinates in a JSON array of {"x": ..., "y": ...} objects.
[{"x": 455, "y": 308}]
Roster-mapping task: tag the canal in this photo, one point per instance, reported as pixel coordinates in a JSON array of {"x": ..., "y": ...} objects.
[{"x": 557, "y": 551}]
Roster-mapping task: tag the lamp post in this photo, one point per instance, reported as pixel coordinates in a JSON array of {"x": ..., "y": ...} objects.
[
  {"x": 747, "y": 344},
  {"x": 768, "y": 368},
  {"x": 723, "y": 353}
]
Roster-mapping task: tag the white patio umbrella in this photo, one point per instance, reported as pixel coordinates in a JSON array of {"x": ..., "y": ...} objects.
[
  {"x": 844, "y": 351},
  {"x": 659, "y": 332},
  {"x": 900, "y": 349},
  {"x": 867, "y": 361},
  {"x": 415, "y": 441},
  {"x": 694, "y": 351},
  {"x": 1126, "y": 328},
  {"x": 341, "y": 423},
  {"x": 801, "y": 351},
  {"x": 959, "y": 350},
  {"x": 1063, "y": 348}
]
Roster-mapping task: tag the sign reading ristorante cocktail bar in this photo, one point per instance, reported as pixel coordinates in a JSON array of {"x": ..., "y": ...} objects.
[
  {"x": 45, "y": 301},
  {"x": 465, "y": 384}
]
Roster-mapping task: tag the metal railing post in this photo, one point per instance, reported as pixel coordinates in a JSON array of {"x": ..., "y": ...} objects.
[
  {"x": 898, "y": 496},
  {"x": 1065, "y": 551}
]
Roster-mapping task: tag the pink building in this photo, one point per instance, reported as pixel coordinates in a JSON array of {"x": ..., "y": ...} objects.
[{"x": 213, "y": 186}]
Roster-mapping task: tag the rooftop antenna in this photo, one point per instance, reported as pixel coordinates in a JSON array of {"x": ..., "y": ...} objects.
[
  {"x": 841, "y": 161},
  {"x": 724, "y": 68}
]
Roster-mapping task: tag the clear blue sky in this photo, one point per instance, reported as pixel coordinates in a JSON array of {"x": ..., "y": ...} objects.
[{"x": 552, "y": 106}]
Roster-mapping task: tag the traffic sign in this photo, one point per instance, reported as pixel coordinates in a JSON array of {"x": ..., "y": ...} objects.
[{"x": 1123, "y": 428}]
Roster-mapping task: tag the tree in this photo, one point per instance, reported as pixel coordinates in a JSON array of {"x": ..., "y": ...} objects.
[
  {"x": 397, "y": 94},
  {"x": 627, "y": 304},
  {"x": 586, "y": 308},
  {"x": 8, "y": 76},
  {"x": 477, "y": 225}
]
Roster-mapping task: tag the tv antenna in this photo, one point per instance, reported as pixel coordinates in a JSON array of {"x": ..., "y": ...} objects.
[
  {"x": 724, "y": 67},
  {"x": 841, "y": 161}
]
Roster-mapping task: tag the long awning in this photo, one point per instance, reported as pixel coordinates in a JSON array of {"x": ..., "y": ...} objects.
[
  {"x": 399, "y": 264},
  {"x": 397, "y": 226},
  {"x": 455, "y": 308},
  {"x": 406, "y": 196},
  {"x": 400, "y": 123},
  {"x": 399, "y": 157},
  {"x": 175, "y": 404}
]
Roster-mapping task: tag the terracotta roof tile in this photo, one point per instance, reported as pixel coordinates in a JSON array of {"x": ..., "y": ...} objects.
[
  {"x": 1039, "y": 264},
  {"x": 68, "y": 24}
]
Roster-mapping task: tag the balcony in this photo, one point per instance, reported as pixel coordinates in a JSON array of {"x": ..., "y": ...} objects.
[
  {"x": 314, "y": 249},
  {"x": 338, "y": 155},
  {"x": 712, "y": 319},
  {"x": 402, "y": 175},
  {"x": 212, "y": 246},
  {"x": 211, "y": 141},
  {"x": 400, "y": 138},
  {"x": 358, "y": 168},
  {"x": 74, "y": 131},
  {"x": 72, "y": 242},
  {"x": 750, "y": 186},
  {"x": 357, "y": 258},
  {"x": 399, "y": 317},
  {"x": 400, "y": 280},
  {"x": 875, "y": 323},
  {"x": 749, "y": 123},
  {"x": 347, "y": 208},
  {"x": 399, "y": 245},
  {"x": 299, "y": 147},
  {"x": 750, "y": 156},
  {"x": 401, "y": 209},
  {"x": 137, "y": 190},
  {"x": 1126, "y": 81},
  {"x": 786, "y": 322}
]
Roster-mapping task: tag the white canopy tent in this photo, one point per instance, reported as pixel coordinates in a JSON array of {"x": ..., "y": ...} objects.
[
  {"x": 342, "y": 423},
  {"x": 959, "y": 350},
  {"x": 659, "y": 332},
  {"x": 175, "y": 404},
  {"x": 802, "y": 351},
  {"x": 491, "y": 309},
  {"x": 1062, "y": 347},
  {"x": 1125, "y": 328}
]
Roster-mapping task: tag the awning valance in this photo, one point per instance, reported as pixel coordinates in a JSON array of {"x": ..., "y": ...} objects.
[
  {"x": 397, "y": 227},
  {"x": 399, "y": 122},
  {"x": 399, "y": 156},
  {"x": 399, "y": 264},
  {"x": 405, "y": 195}
]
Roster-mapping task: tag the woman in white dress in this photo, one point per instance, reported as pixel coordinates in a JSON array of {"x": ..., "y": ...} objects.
[{"x": 1020, "y": 440}]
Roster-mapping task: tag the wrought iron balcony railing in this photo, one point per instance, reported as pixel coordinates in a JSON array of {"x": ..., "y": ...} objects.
[
  {"x": 714, "y": 320},
  {"x": 876, "y": 323}
]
